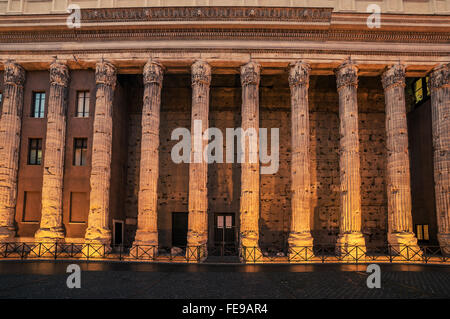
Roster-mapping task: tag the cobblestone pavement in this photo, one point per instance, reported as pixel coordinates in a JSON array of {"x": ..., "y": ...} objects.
[{"x": 134, "y": 280}]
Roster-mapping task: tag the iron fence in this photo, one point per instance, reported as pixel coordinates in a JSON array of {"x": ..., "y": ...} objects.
[{"x": 152, "y": 253}]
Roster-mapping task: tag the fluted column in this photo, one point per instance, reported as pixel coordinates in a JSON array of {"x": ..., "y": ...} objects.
[
  {"x": 98, "y": 220},
  {"x": 198, "y": 167},
  {"x": 147, "y": 230},
  {"x": 53, "y": 177},
  {"x": 300, "y": 233},
  {"x": 10, "y": 131},
  {"x": 350, "y": 221},
  {"x": 400, "y": 233},
  {"x": 440, "y": 110},
  {"x": 249, "y": 206}
]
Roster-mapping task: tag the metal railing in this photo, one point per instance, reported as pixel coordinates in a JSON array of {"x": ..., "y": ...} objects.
[
  {"x": 350, "y": 254},
  {"x": 90, "y": 251},
  {"x": 152, "y": 253}
]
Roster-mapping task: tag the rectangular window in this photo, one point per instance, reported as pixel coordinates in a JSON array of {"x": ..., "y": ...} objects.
[
  {"x": 79, "y": 151},
  {"x": 35, "y": 151},
  {"x": 79, "y": 207},
  {"x": 1, "y": 98},
  {"x": 82, "y": 104},
  {"x": 38, "y": 105},
  {"x": 422, "y": 232}
]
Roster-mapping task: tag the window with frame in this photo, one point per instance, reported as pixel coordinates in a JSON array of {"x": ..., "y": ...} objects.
[
  {"x": 38, "y": 110},
  {"x": 80, "y": 152},
  {"x": 422, "y": 232},
  {"x": 1, "y": 98},
  {"x": 421, "y": 90},
  {"x": 35, "y": 151},
  {"x": 83, "y": 98}
]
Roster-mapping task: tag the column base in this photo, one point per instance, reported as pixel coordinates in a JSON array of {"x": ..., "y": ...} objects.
[
  {"x": 49, "y": 234},
  {"x": 196, "y": 249},
  {"x": 145, "y": 245},
  {"x": 444, "y": 242},
  {"x": 250, "y": 251},
  {"x": 404, "y": 244},
  {"x": 7, "y": 234},
  {"x": 300, "y": 246},
  {"x": 351, "y": 246},
  {"x": 98, "y": 242}
]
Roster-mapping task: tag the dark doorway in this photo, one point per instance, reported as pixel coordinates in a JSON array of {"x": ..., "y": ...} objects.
[
  {"x": 118, "y": 232},
  {"x": 225, "y": 234},
  {"x": 179, "y": 229}
]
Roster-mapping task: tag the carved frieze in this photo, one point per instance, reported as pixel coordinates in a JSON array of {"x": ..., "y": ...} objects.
[{"x": 207, "y": 14}]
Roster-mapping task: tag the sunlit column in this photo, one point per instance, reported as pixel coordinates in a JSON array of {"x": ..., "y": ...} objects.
[
  {"x": 300, "y": 233},
  {"x": 400, "y": 233},
  {"x": 440, "y": 109},
  {"x": 147, "y": 229},
  {"x": 249, "y": 210},
  {"x": 198, "y": 168},
  {"x": 350, "y": 235},
  {"x": 98, "y": 220},
  {"x": 10, "y": 130},
  {"x": 51, "y": 227}
]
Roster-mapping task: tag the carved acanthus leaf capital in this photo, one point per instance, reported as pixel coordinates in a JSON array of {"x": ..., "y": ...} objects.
[
  {"x": 440, "y": 76},
  {"x": 105, "y": 73},
  {"x": 59, "y": 74},
  {"x": 200, "y": 73},
  {"x": 299, "y": 73},
  {"x": 347, "y": 74},
  {"x": 394, "y": 75},
  {"x": 153, "y": 72},
  {"x": 14, "y": 74},
  {"x": 250, "y": 73}
]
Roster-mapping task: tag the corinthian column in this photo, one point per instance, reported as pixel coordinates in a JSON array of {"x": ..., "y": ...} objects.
[
  {"x": 398, "y": 174},
  {"x": 440, "y": 110},
  {"x": 147, "y": 230},
  {"x": 98, "y": 219},
  {"x": 10, "y": 130},
  {"x": 249, "y": 214},
  {"x": 350, "y": 235},
  {"x": 300, "y": 234},
  {"x": 198, "y": 167},
  {"x": 51, "y": 228}
]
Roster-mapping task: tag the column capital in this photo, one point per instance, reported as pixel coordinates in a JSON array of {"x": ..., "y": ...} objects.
[
  {"x": 105, "y": 73},
  {"x": 59, "y": 74},
  {"x": 440, "y": 76},
  {"x": 200, "y": 73},
  {"x": 347, "y": 74},
  {"x": 395, "y": 75},
  {"x": 14, "y": 74},
  {"x": 153, "y": 72},
  {"x": 299, "y": 73},
  {"x": 250, "y": 73}
]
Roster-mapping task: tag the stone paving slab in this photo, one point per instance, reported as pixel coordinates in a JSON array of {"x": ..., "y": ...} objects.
[{"x": 107, "y": 280}]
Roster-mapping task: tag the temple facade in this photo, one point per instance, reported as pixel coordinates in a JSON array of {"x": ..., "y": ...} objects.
[{"x": 92, "y": 100}]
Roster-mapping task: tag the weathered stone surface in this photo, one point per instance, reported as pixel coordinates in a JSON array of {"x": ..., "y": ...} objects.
[
  {"x": 398, "y": 171},
  {"x": 198, "y": 167},
  {"x": 98, "y": 220},
  {"x": 10, "y": 129},
  {"x": 440, "y": 108},
  {"x": 349, "y": 163},
  {"x": 147, "y": 231},
  {"x": 51, "y": 227},
  {"x": 300, "y": 233},
  {"x": 250, "y": 205}
]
